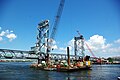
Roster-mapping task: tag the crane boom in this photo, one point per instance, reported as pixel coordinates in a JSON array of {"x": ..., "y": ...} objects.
[
  {"x": 57, "y": 19},
  {"x": 90, "y": 50}
]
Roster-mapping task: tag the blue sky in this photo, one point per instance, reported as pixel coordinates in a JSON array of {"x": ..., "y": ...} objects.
[{"x": 97, "y": 20}]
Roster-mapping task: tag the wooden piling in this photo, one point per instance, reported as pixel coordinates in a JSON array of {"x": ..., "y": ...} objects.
[{"x": 68, "y": 55}]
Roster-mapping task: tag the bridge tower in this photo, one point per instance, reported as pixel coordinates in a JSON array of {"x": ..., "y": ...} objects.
[
  {"x": 79, "y": 46},
  {"x": 42, "y": 37}
]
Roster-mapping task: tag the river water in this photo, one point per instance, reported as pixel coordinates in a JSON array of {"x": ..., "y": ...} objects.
[{"x": 22, "y": 71}]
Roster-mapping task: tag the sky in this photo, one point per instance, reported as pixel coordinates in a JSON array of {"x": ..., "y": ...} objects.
[{"x": 97, "y": 20}]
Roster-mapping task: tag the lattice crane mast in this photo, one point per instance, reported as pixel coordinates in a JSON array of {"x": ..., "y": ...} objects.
[{"x": 57, "y": 20}]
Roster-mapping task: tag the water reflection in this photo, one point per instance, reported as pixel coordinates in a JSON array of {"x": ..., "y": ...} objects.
[
  {"x": 81, "y": 75},
  {"x": 52, "y": 75}
]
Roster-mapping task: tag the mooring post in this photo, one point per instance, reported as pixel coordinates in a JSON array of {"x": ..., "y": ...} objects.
[{"x": 68, "y": 55}]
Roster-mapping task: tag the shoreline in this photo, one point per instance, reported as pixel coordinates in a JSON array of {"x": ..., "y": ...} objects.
[
  {"x": 104, "y": 63},
  {"x": 32, "y": 60},
  {"x": 16, "y": 60}
]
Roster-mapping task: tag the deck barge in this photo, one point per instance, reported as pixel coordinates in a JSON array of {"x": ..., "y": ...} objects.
[
  {"x": 64, "y": 65},
  {"x": 62, "y": 69}
]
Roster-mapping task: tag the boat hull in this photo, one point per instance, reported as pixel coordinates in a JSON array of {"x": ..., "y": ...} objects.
[{"x": 62, "y": 69}]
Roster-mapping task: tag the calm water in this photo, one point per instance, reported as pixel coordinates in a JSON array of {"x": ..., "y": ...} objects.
[{"x": 21, "y": 71}]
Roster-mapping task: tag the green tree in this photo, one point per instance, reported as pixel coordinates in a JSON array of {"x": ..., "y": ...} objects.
[{"x": 110, "y": 59}]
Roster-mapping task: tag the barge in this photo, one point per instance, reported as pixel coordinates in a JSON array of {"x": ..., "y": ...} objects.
[
  {"x": 61, "y": 69},
  {"x": 64, "y": 65}
]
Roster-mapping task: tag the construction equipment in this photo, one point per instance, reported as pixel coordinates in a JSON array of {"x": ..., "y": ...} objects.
[
  {"x": 43, "y": 44},
  {"x": 55, "y": 25},
  {"x": 57, "y": 19},
  {"x": 90, "y": 50}
]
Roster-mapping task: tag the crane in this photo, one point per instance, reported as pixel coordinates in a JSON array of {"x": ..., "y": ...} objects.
[
  {"x": 43, "y": 44},
  {"x": 55, "y": 25},
  {"x": 57, "y": 19},
  {"x": 87, "y": 45}
]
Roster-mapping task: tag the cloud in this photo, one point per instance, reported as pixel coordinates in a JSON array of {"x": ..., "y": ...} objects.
[
  {"x": 11, "y": 36},
  {"x": 117, "y": 41},
  {"x": 1, "y": 38},
  {"x": 62, "y": 49},
  {"x": 54, "y": 47},
  {"x": 71, "y": 43},
  {"x": 114, "y": 49},
  {"x": 7, "y": 34},
  {"x": 0, "y": 28},
  {"x": 100, "y": 47},
  {"x": 97, "y": 42},
  {"x": 2, "y": 33}
]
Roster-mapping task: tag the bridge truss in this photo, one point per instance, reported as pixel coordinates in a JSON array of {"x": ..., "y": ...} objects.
[{"x": 7, "y": 53}]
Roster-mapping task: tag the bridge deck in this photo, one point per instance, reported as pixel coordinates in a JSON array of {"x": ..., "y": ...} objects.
[{"x": 8, "y": 53}]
